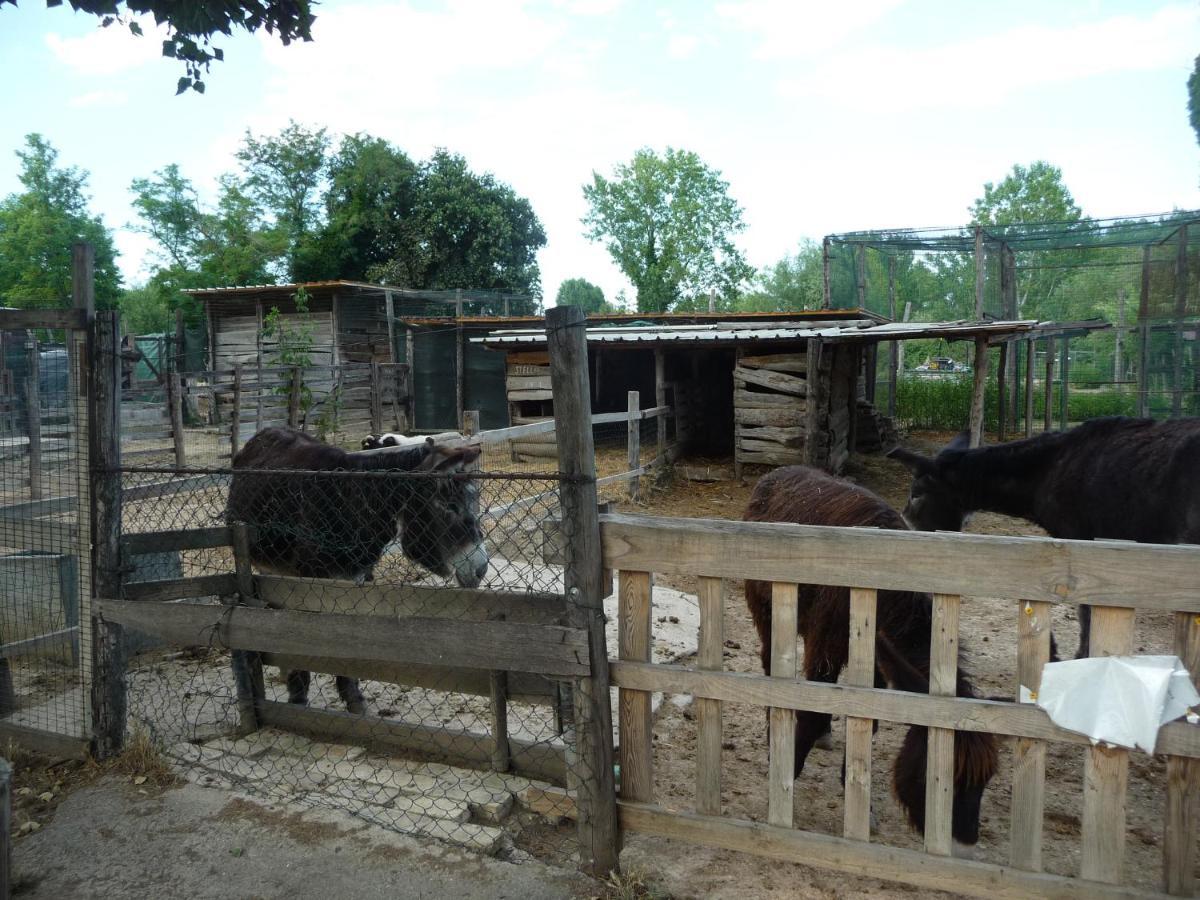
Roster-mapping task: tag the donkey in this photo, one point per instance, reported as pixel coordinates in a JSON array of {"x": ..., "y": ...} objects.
[
  {"x": 1117, "y": 478},
  {"x": 316, "y": 521},
  {"x": 809, "y": 497}
]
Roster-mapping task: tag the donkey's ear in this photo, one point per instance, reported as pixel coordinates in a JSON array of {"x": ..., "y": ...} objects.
[
  {"x": 914, "y": 462},
  {"x": 453, "y": 459}
]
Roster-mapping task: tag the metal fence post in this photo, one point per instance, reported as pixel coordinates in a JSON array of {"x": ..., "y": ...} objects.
[{"x": 599, "y": 837}]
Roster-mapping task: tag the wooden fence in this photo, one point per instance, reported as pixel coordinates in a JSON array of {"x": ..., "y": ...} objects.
[{"x": 1114, "y": 577}]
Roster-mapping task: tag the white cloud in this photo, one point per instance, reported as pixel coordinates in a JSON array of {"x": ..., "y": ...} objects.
[
  {"x": 787, "y": 28},
  {"x": 990, "y": 68},
  {"x": 589, "y": 7},
  {"x": 94, "y": 99},
  {"x": 107, "y": 51},
  {"x": 682, "y": 46}
]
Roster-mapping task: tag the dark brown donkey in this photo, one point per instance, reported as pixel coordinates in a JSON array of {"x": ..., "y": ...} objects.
[
  {"x": 1117, "y": 478},
  {"x": 809, "y": 497}
]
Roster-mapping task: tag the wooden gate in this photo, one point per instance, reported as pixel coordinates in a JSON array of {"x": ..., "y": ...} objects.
[{"x": 1114, "y": 577}]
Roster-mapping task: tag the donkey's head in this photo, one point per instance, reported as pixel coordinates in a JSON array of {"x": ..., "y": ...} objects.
[
  {"x": 439, "y": 523},
  {"x": 934, "y": 501}
]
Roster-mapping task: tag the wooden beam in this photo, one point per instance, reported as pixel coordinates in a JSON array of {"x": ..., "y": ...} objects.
[
  {"x": 636, "y": 723},
  {"x": 782, "y": 738},
  {"x": 1030, "y": 355},
  {"x": 633, "y": 440},
  {"x": 176, "y": 539},
  {"x": 1144, "y": 326},
  {"x": 1105, "y": 573},
  {"x": 979, "y": 272},
  {"x": 956, "y": 876},
  {"x": 540, "y": 761},
  {"x": 599, "y": 838},
  {"x": 1048, "y": 408},
  {"x": 1182, "y": 817},
  {"x": 59, "y": 746},
  {"x": 710, "y": 594},
  {"x": 1029, "y": 756},
  {"x": 180, "y": 588},
  {"x": 21, "y": 319},
  {"x": 978, "y": 391},
  {"x": 544, "y": 649},
  {"x": 959, "y": 713},
  {"x": 939, "y": 771},
  {"x": 860, "y": 671}
]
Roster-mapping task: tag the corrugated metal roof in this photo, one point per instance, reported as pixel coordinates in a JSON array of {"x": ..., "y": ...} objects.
[{"x": 732, "y": 332}]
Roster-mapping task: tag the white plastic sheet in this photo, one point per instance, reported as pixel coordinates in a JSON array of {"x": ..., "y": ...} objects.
[{"x": 1117, "y": 700}]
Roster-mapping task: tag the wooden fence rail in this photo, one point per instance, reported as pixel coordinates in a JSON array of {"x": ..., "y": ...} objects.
[{"x": 1107, "y": 575}]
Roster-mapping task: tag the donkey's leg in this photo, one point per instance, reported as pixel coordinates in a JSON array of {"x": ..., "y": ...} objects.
[
  {"x": 1085, "y": 631},
  {"x": 347, "y": 689},
  {"x": 297, "y": 686},
  {"x": 823, "y": 660}
]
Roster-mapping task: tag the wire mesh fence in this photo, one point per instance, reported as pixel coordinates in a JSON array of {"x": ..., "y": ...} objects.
[
  {"x": 44, "y": 559},
  {"x": 445, "y": 747},
  {"x": 1141, "y": 275}
]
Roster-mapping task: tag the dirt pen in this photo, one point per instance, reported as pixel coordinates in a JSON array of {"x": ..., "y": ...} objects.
[{"x": 489, "y": 719}]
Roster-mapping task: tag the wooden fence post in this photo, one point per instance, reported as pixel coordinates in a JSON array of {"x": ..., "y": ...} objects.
[
  {"x": 1106, "y": 769},
  {"x": 376, "y": 399},
  {"x": 893, "y": 346},
  {"x": 599, "y": 837},
  {"x": 294, "y": 398},
  {"x": 247, "y": 665},
  {"x": 636, "y": 721},
  {"x": 5, "y": 829},
  {"x": 108, "y": 700},
  {"x": 943, "y": 681},
  {"x": 175, "y": 401},
  {"x": 1183, "y": 781},
  {"x": 660, "y": 399},
  {"x": 1030, "y": 356},
  {"x": 782, "y": 722},
  {"x": 978, "y": 390},
  {"x": 709, "y": 657},
  {"x": 634, "y": 440},
  {"x": 235, "y": 423},
  {"x": 1029, "y": 756},
  {"x": 859, "y": 671},
  {"x": 1048, "y": 411},
  {"x": 33, "y": 415},
  {"x": 1143, "y": 388}
]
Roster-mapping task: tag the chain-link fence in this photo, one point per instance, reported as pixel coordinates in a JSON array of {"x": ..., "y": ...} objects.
[
  {"x": 44, "y": 558},
  {"x": 1141, "y": 275},
  {"x": 428, "y": 739}
]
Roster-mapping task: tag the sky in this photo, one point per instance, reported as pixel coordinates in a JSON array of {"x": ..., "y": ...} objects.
[{"x": 822, "y": 117}]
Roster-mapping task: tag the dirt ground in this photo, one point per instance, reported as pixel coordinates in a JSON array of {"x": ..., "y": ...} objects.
[{"x": 988, "y": 630}]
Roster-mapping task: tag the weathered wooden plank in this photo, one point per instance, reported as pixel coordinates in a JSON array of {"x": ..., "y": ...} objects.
[
  {"x": 523, "y": 687},
  {"x": 939, "y": 773},
  {"x": 636, "y": 725},
  {"x": 794, "y": 434},
  {"x": 784, "y": 418},
  {"x": 546, "y": 649},
  {"x": 531, "y": 395},
  {"x": 463, "y": 604},
  {"x": 180, "y": 588},
  {"x": 776, "y": 381},
  {"x": 541, "y": 761},
  {"x": 777, "y": 362},
  {"x": 528, "y": 382},
  {"x": 781, "y": 775},
  {"x": 1106, "y": 770},
  {"x": 770, "y": 446},
  {"x": 743, "y": 399},
  {"x": 959, "y": 713},
  {"x": 17, "y": 319},
  {"x": 860, "y": 671},
  {"x": 176, "y": 539},
  {"x": 710, "y": 593},
  {"x": 1029, "y": 756},
  {"x": 1105, "y": 573},
  {"x": 528, "y": 357},
  {"x": 1182, "y": 819},
  {"x": 633, "y": 439},
  {"x": 957, "y": 876}
]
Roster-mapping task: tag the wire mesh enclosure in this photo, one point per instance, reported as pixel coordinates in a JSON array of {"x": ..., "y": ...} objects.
[
  {"x": 421, "y": 677},
  {"x": 44, "y": 560},
  {"x": 1138, "y": 274}
]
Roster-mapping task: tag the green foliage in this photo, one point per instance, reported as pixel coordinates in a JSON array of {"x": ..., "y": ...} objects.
[
  {"x": 1193, "y": 86},
  {"x": 294, "y": 345},
  {"x": 794, "y": 283},
  {"x": 38, "y": 226},
  {"x": 191, "y": 25},
  {"x": 1026, "y": 194},
  {"x": 668, "y": 222},
  {"x": 284, "y": 174},
  {"x": 582, "y": 293},
  {"x": 145, "y": 310}
]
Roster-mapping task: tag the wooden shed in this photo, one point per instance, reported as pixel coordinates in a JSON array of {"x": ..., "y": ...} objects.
[{"x": 764, "y": 390}]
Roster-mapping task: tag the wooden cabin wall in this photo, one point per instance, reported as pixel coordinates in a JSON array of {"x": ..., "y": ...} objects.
[
  {"x": 362, "y": 329},
  {"x": 770, "y": 400}
]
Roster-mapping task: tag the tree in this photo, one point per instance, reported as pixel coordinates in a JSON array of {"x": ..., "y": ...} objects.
[
  {"x": 668, "y": 222},
  {"x": 38, "y": 227},
  {"x": 793, "y": 283},
  {"x": 170, "y": 214},
  {"x": 284, "y": 175},
  {"x": 191, "y": 25},
  {"x": 1193, "y": 86},
  {"x": 464, "y": 231},
  {"x": 582, "y": 293},
  {"x": 1033, "y": 194}
]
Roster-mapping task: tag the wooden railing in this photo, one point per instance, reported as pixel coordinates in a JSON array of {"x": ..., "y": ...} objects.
[{"x": 1114, "y": 577}]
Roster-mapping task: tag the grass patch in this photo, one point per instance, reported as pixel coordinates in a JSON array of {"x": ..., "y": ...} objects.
[
  {"x": 631, "y": 885},
  {"x": 143, "y": 762}
]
